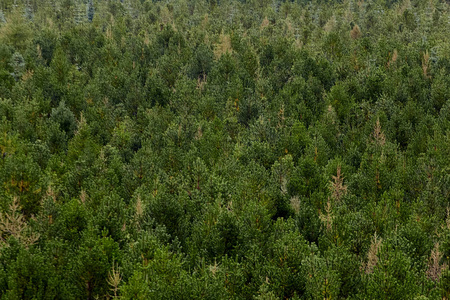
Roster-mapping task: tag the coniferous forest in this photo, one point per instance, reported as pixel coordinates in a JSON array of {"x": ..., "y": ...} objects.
[{"x": 224, "y": 149}]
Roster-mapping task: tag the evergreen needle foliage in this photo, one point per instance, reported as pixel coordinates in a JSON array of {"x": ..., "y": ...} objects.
[{"x": 228, "y": 149}]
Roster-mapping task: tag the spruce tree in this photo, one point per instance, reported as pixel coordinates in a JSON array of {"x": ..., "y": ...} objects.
[{"x": 90, "y": 10}]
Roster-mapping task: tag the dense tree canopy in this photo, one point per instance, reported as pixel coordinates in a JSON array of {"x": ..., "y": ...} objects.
[{"x": 224, "y": 149}]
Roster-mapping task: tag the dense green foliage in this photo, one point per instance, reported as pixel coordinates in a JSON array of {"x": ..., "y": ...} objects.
[{"x": 224, "y": 149}]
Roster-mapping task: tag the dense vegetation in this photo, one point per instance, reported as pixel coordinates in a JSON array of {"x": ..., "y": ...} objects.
[{"x": 224, "y": 149}]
